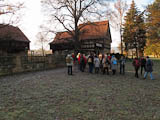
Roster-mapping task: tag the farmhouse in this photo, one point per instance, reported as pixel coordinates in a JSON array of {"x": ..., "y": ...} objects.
[
  {"x": 94, "y": 37},
  {"x": 12, "y": 41}
]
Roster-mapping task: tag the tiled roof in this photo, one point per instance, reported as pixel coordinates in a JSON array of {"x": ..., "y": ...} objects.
[
  {"x": 93, "y": 30},
  {"x": 13, "y": 33}
]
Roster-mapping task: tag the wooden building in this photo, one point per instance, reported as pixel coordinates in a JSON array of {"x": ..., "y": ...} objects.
[
  {"x": 12, "y": 41},
  {"x": 94, "y": 37}
]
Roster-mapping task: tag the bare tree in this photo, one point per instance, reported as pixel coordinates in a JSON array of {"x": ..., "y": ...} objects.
[
  {"x": 41, "y": 40},
  {"x": 117, "y": 16},
  {"x": 70, "y": 13},
  {"x": 10, "y": 11}
]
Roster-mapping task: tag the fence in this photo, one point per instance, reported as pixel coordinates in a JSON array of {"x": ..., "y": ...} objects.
[{"x": 18, "y": 64}]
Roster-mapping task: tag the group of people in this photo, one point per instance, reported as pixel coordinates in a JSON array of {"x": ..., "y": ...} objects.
[
  {"x": 145, "y": 64},
  {"x": 104, "y": 63},
  {"x": 99, "y": 63}
]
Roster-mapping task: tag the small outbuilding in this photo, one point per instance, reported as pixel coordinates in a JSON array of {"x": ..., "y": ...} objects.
[{"x": 13, "y": 41}]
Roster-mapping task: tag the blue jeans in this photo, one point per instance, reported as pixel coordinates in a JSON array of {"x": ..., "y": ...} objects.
[
  {"x": 91, "y": 68},
  {"x": 146, "y": 73}
]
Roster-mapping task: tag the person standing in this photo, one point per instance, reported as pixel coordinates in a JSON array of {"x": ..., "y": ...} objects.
[
  {"x": 143, "y": 64},
  {"x": 96, "y": 64},
  {"x": 109, "y": 58},
  {"x": 69, "y": 62},
  {"x": 82, "y": 63},
  {"x": 91, "y": 62},
  {"x": 74, "y": 62},
  {"x": 106, "y": 63},
  {"x": 78, "y": 59},
  {"x": 136, "y": 64},
  {"x": 85, "y": 61},
  {"x": 114, "y": 64},
  {"x": 149, "y": 68},
  {"x": 122, "y": 62},
  {"x": 101, "y": 56}
]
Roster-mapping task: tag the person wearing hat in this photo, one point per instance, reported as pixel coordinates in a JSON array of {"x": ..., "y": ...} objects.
[
  {"x": 149, "y": 68},
  {"x": 69, "y": 62}
]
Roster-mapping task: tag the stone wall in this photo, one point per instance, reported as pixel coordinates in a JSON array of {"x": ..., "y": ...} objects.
[{"x": 17, "y": 64}]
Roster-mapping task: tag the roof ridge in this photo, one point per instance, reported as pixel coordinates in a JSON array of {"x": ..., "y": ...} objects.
[
  {"x": 14, "y": 31},
  {"x": 97, "y": 22}
]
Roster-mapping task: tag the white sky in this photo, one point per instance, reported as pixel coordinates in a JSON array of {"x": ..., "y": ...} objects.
[{"x": 33, "y": 18}]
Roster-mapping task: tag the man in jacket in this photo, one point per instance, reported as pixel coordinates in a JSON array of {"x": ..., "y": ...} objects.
[{"x": 69, "y": 62}]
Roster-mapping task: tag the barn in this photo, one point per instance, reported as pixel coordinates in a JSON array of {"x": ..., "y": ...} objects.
[{"x": 94, "y": 37}]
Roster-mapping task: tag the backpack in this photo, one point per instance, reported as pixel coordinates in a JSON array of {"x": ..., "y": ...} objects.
[
  {"x": 143, "y": 61},
  {"x": 137, "y": 63},
  {"x": 114, "y": 62},
  {"x": 149, "y": 63},
  {"x": 89, "y": 60},
  {"x": 68, "y": 60}
]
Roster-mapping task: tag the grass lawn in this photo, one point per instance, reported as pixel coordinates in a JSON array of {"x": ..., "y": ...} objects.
[{"x": 53, "y": 95}]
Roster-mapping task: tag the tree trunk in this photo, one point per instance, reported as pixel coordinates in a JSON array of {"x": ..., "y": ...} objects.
[
  {"x": 121, "y": 41},
  {"x": 42, "y": 51},
  {"x": 136, "y": 52}
]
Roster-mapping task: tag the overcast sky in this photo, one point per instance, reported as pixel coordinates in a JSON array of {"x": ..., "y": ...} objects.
[{"x": 33, "y": 18}]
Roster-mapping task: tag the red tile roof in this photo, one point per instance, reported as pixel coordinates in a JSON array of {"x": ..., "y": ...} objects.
[
  {"x": 93, "y": 30},
  {"x": 13, "y": 33}
]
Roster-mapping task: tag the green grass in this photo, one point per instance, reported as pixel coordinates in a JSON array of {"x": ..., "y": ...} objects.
[{"x": 53, "y": 95}]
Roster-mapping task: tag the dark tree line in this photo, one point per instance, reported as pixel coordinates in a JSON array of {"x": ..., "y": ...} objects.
[
  {"x": 141, "y": 30},
  {"x": 134, "y": 32},
  {"x": 153, "y": 28}
]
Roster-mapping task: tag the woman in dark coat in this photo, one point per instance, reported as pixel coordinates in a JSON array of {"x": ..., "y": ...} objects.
[
  {"x": 143, "y": 64},
  {"x": 149, "y": 68}
]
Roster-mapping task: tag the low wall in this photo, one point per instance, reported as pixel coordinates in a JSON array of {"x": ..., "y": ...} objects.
[{"x": 18, "y": 64}]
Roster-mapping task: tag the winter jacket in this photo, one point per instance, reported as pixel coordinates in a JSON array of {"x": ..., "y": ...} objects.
[
  {"x": 105, "y": 62},
  {"x": 149, "y": 65},
  {"x": 113, "y": 66},
  {"x": 96, "y": 62},
  {"x": 136, "y": 63},
  {"x": 79, "y": 59},
  {"x": 69, "y": 60},
  {"x": 143, "y": 62},
  {"x": 122, "y": 61}
]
